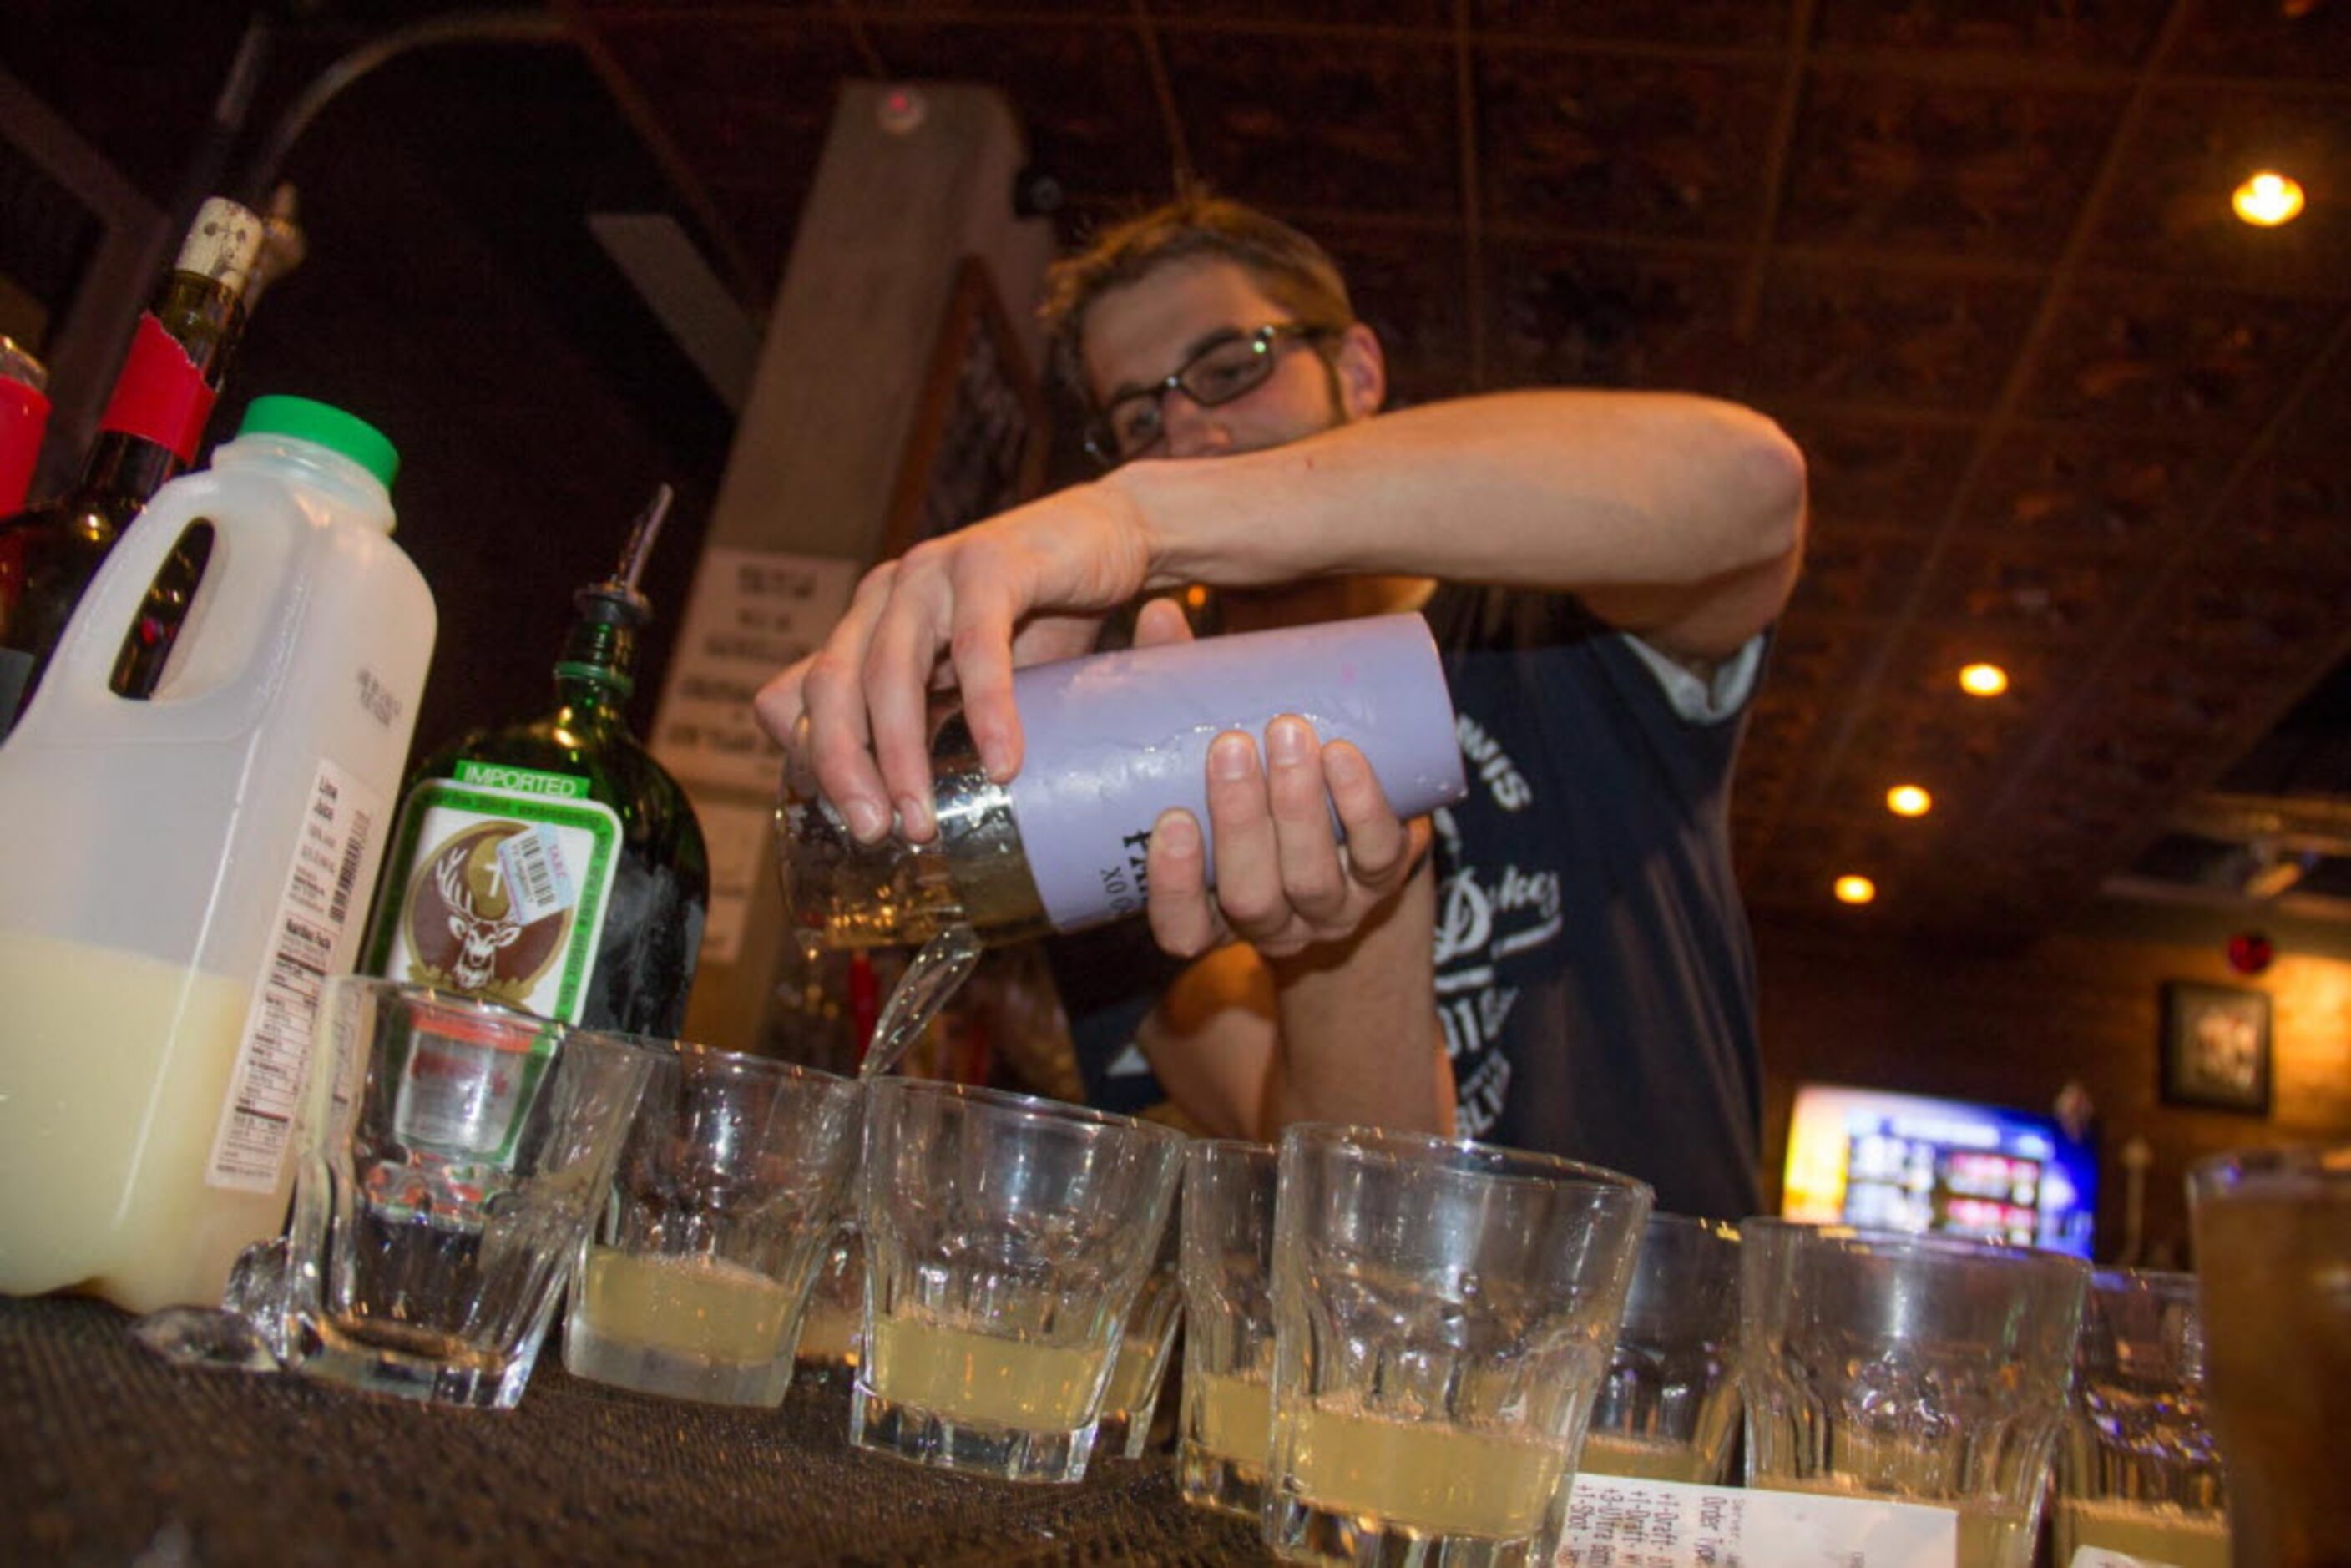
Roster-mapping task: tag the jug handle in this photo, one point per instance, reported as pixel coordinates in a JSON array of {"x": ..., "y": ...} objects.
[{"x": 230, "y": 640}]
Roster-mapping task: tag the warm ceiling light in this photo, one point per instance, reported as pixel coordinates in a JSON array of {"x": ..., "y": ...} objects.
[
  {"x": 1983, "y": 680},
  {"x": 1856, "y": 890},
  {"x": 2267, "y": 199},
  {"x": 1908, "y": 800}
]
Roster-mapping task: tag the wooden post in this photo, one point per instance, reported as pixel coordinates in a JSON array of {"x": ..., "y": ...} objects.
[{"x": 915, "y": 180}]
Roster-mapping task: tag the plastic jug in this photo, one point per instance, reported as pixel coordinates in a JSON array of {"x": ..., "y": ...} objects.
[{"x": 179, "y": 874}]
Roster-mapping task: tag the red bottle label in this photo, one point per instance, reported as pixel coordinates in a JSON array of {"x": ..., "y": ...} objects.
[
  {"x": 24, "y": 416},
  {"x": 160, "y": 395}
]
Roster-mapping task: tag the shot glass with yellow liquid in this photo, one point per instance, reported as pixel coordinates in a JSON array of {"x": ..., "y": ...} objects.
[
  {"x": 1444, "y": 1312},
  {"x": 1226, "y": 1425},
  {"x": 732, "y": 1182},
  {"x": 1668, "y": 1408},
  {"x": 1006, "y": 1239},
  {"x": 1145, "y": 1346}
]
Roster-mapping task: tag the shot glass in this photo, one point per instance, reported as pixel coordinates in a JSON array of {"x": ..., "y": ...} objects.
[
  {"x": 452, "y": 1157},
  {"x": 1226, "y": 1429},
  {"x": 1920, "y": 1368},
  {"x": 2273, "y": 1230},
  {"x": 1006, "y": 1240},
  {"x": 1145, "y": 1345},
  {"x": 2139, "y": 1471},
  {"x": 832, "y": 1331},
  {"x": 1669, "y": 1405},
  {"x": 1443, "y": 1316},
  {"x": 733, "y": 1179}
]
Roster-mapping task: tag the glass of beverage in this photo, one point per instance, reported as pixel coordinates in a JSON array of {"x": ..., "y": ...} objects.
[
  {"x": 2272, "y": 1231},
  {"x": 2138, "y": 1471},
  {"x": 832, "y": 1331},
  {"x": 452, "y": 1155},
  {"x": 1669, "y": 1405},
  {"x": 1006, "y": 1240},
  {"x": 1145, "y": 1348},
  {"x": 1443, "y": 1316},
  {"x": 1226, "y": 1427},
  {"x": 730, "y": 1187},
  {"x": 1921, "y": 1368}
]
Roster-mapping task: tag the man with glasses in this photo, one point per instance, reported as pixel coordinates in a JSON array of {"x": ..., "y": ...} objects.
[{"x": 1600, "y": 568}]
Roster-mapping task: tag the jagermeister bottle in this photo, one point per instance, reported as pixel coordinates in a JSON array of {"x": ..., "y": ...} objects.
[
  {"x": 154, "y": 422},
  {"x": 554, "y": 865}
]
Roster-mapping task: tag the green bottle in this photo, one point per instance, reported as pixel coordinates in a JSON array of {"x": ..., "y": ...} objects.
[{"x": 553, "y": 865}]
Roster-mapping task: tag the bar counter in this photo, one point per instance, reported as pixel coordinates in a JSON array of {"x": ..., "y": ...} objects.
[{"x": 110, "y": 1455}]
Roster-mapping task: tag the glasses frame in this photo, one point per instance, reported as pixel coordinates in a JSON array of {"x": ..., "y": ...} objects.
[{"x": 1102, "y": 436}]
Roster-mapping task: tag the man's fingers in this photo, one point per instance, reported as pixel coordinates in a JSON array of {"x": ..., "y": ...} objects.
[
  {"x": 1313, "y": 882},
  {"x": 832, "y": 694},
  {"x": 1159, "y": 623},
  {"x": 1249, "y": 869},
  {"x": 777, "y": 705},
  {"x": 1183, "y": 915},
  {"x": 1379, "y": 848}
]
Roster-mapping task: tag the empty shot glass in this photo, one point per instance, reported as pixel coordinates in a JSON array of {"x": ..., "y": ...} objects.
[
  {"x": 2272, "y": 1230},
  {"x": 1668, "y": 1408},
  {"x": 1006, "y": 1239},
  {"x": 1226, "y": 1427},
  {"x": 1919, "y": 1369},
  {"x": 2138, "y": 1470},
  {"x": 452, "y": 1155},
  {"x": 730, "y": 1187},
  {"x": 1145, "y": 1346},
  {"x": 1444, "y": 1312}
]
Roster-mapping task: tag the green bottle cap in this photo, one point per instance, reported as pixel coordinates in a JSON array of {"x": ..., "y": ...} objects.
[{"x": 328, "y": 427}]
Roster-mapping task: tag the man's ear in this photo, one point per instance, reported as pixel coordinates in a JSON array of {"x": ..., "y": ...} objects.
[{"x": 1362, "y": 367}]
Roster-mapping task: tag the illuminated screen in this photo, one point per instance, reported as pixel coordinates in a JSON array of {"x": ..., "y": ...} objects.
[{"x": 1905, "y": 1162}]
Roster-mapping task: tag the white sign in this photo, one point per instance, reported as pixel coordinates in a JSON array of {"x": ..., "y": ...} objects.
[
  {"x": 742, "y": 849},
  {"x": 1613, "y": 1522},
  {"x": 751, "y": 613}
]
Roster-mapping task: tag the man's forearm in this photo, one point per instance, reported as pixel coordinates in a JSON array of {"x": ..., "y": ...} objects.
[{"x": 1359, "y": 1041}]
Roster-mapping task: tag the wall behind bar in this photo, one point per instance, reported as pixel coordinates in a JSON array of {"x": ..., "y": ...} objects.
[{"x": 2012, "y": 1027}]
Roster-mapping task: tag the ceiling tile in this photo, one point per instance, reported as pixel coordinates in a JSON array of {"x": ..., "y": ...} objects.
[
  {"x": 2093, "y": 32},
  {"x": 1582, "y": 315},
  {"x": 2309, "y": 40},
  {"x": 1410, "y": 285},
  {"x": 2174, "y": 360},
  {"x": 1365, "y": 125},
  {"x": 1667, "y": 148},
  {"x": 1887, "y": 473},
  {"x": 1359, "y": 15},
  {"x": 1705, "y": 24},
  {"x": 1874, "y": 336},
  {"x": 2091, "y": 486},
  {"x": 2059, "y": 598},
  {"x": 1897, "y": 162}
]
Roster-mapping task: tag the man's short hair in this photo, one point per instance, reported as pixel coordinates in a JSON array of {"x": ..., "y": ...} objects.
[{"x": 1296, "y": 273}]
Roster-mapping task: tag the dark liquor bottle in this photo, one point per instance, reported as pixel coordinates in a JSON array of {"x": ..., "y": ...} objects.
[
  {"x": 554, "y": 865},
  {"x": 154, "y": 422}
]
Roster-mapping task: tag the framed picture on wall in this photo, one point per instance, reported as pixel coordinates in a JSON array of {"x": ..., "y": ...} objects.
[{"x": 2216, "y": 1047}]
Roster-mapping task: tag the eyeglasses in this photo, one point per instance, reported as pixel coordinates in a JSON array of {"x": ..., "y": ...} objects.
[{"x": 1229, "y": 366}]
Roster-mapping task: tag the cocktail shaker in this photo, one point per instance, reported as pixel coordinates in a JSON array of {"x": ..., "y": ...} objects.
[{"x": 1113, "y": 740}]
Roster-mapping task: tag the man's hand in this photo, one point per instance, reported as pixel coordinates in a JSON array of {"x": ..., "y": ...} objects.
[
  {"x": 1029, "y": 585},
  {"x": 1284, "y": 881}
]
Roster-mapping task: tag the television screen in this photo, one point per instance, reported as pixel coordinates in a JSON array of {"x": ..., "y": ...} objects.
[{"x": 1907, "y": 1162}]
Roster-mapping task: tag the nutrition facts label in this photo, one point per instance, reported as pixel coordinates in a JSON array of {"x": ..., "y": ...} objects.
[
  {"x": 1618, "y": 1523},
  {"x": 316, "y": 909}
]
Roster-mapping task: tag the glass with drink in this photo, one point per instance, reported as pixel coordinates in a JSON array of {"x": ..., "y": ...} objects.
[
  {"x": 1444, "y": 1312},
  {"x": 1227, "y": 1426},
  {"x": 2138, "y": 1469},
  {"x": 732, "y": 1182},
  {"x": 1669, "y": 1405},
  {"x": 452, "y": 1155},
  {"x": 1006, "y": 1240},
  {"x": 1921, "y": 1368},
  {"x": 1145, "y": 1348},
  {"x": 2272, "y": 1231},
  {"x": 832, "y": 1331}
]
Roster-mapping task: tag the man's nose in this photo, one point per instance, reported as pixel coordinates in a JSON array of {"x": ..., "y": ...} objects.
[{"x": 1194, "y": 431}]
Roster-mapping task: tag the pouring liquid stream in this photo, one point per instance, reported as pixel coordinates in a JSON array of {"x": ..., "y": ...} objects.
[{"x": 937, "y": 970}]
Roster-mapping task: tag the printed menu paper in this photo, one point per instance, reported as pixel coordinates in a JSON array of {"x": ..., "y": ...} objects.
[{"x": 1615, "y": 1521}]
